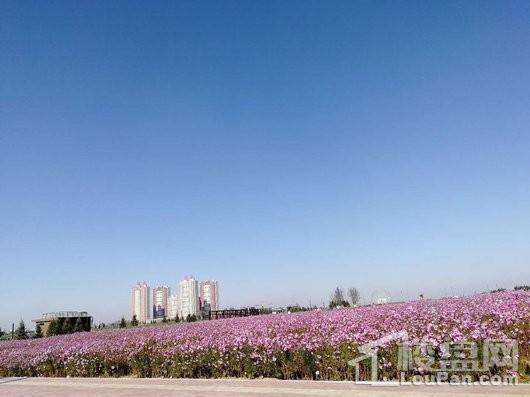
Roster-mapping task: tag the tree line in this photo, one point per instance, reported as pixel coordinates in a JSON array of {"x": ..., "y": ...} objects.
[
  {"x": 339, "y": 299},
  {"x": 21, "y": 332},
  {"x": 62, "y": 326},
  {"x": 123, "y": 323}
]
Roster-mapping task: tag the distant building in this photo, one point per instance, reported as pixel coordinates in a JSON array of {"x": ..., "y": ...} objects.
[
  {"x": 209, "y": 294},
  {"x": 141, "y": 302},
  {"x": 69, "y": 320},
  {"x": 172, "y": 307},
  {"x": 188, "y": 297},
  {"x": 160, "y": 302}
]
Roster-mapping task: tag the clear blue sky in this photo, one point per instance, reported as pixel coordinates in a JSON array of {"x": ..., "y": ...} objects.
[{"x": 281, "y": 147}]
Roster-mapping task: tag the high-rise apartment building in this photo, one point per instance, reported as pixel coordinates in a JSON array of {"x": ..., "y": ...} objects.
[
  {"x": 209, "y": 294},
  {"x": 160, "y": 302},
  {"x": 172, "y": 307},
  {"x": 188, "y": 297},
  {"x": 141, "y": 302}
]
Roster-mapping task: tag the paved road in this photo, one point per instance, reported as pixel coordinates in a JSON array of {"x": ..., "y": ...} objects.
[{"x": 129, "y": 387}]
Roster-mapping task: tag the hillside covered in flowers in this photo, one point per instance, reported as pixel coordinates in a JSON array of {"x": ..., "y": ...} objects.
[{"x": 306, "y": 345}]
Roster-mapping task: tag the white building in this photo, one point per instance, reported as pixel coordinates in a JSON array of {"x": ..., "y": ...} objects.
[
  {"x": 141, "y": 302},
  {"x": 160, "y": 301},
  {"x": 172, "y": 307},
  {"x": 209, "y": 293},
  {"x": 188, "y": 297}
]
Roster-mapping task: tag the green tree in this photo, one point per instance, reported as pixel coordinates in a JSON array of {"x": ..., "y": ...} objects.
[
  {"x": 38, "y": 331},
  {"x": 66, "y": 327},
  {"x": 87, "y": 325},
  {"x": 134, "y": 321},
  {"x": 20, "y": 332},
  {"x": 337, "y": 298},
  {"x": 353, "y": 294},
  {"x": 2, "y": 333},
  {"x": 123, "y": 323},
  {"x": 177, "y": 319},
  {"x": 60, "y": 326},
  {"x": 78, "y": 327},
  {"x": 53, "y": 328},
  {"x": 190, "y": 318}
]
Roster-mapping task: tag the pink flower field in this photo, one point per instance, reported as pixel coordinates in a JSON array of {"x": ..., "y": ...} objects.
[{"x": 287, "y": 346}]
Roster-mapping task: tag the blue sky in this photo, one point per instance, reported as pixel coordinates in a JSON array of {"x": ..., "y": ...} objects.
[{"x": 279, "y": 147}]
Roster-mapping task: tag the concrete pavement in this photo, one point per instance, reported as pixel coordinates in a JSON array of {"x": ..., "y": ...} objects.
[{"x": 132, "y": 387}]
